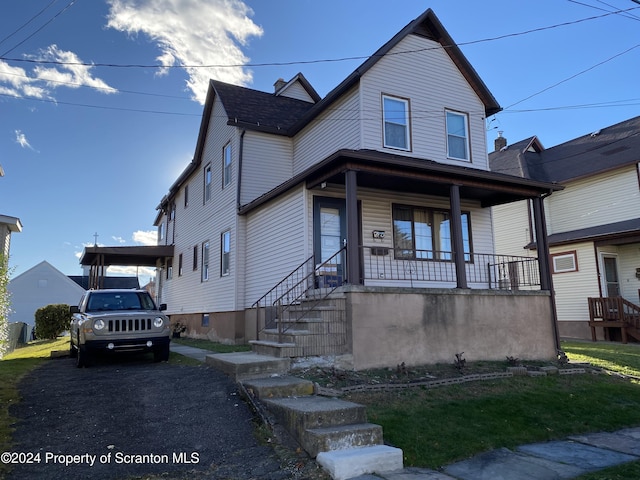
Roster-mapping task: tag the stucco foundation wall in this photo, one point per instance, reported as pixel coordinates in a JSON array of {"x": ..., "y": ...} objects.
[
  {"x": 224, "y": 327},
  {"x": 391, "y": 326}
]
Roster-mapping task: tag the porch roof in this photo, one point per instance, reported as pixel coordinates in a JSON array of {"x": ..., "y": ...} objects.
[
  {"x": 618, "y": 233},
  {"x": 387, "y": 171},
  {"x": 139, "y": 256}
]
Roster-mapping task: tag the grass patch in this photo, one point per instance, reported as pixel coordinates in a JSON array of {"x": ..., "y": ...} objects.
[
  {"x": 13, "y": 367},
  {"x": 212, "y": 346},
  {"x": 620, "y": 358}
]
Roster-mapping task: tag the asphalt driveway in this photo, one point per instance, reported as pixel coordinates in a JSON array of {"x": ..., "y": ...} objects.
[{"x": 132, "y": 418}]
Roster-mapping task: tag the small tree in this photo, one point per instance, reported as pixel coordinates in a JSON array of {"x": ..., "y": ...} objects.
[
  {"x": 4, "y": 304},
  {"x": 52, "y": 320}
]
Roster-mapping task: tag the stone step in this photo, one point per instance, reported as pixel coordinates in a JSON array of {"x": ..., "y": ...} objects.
[
  {"x": 275, "y": 349},
  {"x": 316, "y": 440},
  {"x": 279, "y": 386},
  {"x": 244, "y": 365},
  {"x": 302, "y": 413},
  {"x": 353, "y": 462}
]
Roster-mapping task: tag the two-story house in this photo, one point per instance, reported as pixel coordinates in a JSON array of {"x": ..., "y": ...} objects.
[
  {"x": 366, "y": 211},
  {"x": 593, "y": 224}
]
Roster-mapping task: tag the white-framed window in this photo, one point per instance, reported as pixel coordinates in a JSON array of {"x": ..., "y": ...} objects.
[
  {"x": 205, "y": 261},
  {"x": 186, "y": 196},
  {"x": 161, "y": 232},
  {"x": 225, "y": 253},
  {"x": 207, "y": 183},
  {"x": 395, "y": 112},
  {"x": 169, "y": 267},
  {"x": 457, "y": 135},
  {"x": 195, "y": 258},
  {"x": 565, "y": 262},
  {"x": 226, "y": 165},
  {"x": 180, "y": 266}
]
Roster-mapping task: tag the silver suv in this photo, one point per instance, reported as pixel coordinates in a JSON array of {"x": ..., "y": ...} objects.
[{"x": 116, "y": 321}]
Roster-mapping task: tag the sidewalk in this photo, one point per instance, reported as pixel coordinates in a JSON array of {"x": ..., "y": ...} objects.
[{"x": 565, "y": 459}]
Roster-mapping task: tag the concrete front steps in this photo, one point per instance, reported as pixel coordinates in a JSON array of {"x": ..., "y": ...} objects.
[{"x": 333, "y": 431}]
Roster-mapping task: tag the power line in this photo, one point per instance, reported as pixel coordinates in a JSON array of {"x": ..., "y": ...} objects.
[
  {"x": 307, "y": 62},
  {"x": 27, "y": 22}
]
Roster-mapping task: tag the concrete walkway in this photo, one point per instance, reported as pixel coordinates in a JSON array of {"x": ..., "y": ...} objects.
[{"x": 565, "y": 459}]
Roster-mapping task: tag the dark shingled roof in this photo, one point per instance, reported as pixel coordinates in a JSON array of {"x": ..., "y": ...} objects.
[
  {"x": 607, "y": 149},
  {"x": 109, "y": 282}
]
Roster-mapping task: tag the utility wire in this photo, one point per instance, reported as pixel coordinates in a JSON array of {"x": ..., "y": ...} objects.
[
  {"x": 27, "y": 22},
  {"x": 39, "y": 29}
]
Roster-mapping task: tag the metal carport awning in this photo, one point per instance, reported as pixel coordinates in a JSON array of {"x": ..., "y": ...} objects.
[{"x": 99, "y": 258}]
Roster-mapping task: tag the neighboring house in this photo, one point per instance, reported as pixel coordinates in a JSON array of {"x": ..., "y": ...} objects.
[
  {"x": 40, "y": 286},
  {"x": 44, "y": 285},
  {"x": 593, "y": 225},
  {"x": 8, "y": 225},
  {"x": 377, "y": 197}
]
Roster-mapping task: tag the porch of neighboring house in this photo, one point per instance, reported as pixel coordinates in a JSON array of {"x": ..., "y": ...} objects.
[
  {"x": 614, "y": 315},
  {"x": 375, "y": 305}
]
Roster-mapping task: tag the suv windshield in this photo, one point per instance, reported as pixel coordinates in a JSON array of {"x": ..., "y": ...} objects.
[{"x": 110, "y": 301}]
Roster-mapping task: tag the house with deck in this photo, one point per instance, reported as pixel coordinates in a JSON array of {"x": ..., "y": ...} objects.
[
  {"x": 593, "y": 226},
  {"x": 359, "y": 224}
]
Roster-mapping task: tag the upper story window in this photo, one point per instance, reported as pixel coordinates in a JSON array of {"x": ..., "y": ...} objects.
[
  {"x": 225, "y": 253},
  {"x": 457, "y": 136},
  {"x": 161, "y": 232},
  {"x": 205, "y": 261},
  {"x": 226, "y": 165},
  {"x": 395, "y": 113},
  {"x": 207, "y": 183},
  {"x": 186, "y": 196}
]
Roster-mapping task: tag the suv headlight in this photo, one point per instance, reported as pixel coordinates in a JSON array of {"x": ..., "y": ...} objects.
[
  {"x": 98, "y": 324},
  {"x": 158, "y": 322}
]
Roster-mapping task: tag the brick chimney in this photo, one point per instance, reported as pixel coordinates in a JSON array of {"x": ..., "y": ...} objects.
[
  {"x": 500, "y": 142},
  {"x": 279, "y": 84}
]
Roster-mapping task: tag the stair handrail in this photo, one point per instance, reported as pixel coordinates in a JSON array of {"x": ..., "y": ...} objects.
[{"x": 631, "y": 312}]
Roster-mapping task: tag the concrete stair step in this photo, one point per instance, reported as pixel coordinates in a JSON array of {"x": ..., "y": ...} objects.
[
  {"x": 244, "y": 365},
  {"x": 280, "y": 386},
  {"x": 275, "y": 349},
  {"x": 353, "y": 462},
  {"x": 340, "y": 437},
  {"x": 303, "y": 413}
]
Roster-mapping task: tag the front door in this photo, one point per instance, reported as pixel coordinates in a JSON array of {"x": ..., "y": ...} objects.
[
  {"x": 329, "y": 236},
  {"x": 612, "y": 282}
]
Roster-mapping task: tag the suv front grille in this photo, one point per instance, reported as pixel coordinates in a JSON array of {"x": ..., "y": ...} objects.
[{"x": 129, "y": 324}]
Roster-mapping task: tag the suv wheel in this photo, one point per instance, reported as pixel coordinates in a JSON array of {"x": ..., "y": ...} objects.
[{"x": 83, "y": 359}]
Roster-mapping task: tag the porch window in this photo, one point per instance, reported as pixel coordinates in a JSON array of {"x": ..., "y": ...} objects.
[
  {"x": 425, "y": 234},
  {"x": 207, "y": 183},
  {"x": 226, "y": 165},
  {"x": 396, "y": 122},
  {"x": 225, "y": 253},
  {"x": 205, "y": 261},
  {"x": 457, "y": 136}
]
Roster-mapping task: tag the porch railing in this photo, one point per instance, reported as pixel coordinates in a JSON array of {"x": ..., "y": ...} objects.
[
  {"x": 299, "y": 293},
  {"x": 504, "y": 272}
]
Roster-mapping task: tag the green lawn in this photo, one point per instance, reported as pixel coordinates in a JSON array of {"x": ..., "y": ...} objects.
[{"x": 435, "y": 427}]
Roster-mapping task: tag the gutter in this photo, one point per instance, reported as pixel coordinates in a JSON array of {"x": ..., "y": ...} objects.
[{"x": 240, "y": 155}]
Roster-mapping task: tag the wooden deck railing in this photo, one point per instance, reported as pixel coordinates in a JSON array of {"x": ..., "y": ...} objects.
[{"x": 614, "y": 312}]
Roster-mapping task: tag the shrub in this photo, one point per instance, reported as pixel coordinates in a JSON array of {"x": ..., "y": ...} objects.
[
  {"x": 4, "y": 304},
  {"x": 52, "y": 320}
]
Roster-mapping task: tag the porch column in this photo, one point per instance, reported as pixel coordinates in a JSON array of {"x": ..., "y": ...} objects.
[
  {"x": 456, "y": 233},
  {"x": 353, "y": 249},
  {"x": 546, "y": 278}
]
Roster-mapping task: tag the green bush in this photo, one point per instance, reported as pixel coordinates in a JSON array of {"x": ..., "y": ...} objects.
[{"x": 52, "y": 320}]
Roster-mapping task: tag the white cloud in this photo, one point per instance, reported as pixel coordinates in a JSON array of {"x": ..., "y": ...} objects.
[
  {"x": 21, "y": 139},
  {"x": 148, "y": 238},
  {"x": 118, "y": 239},
  {"x": 192, "y": 32}
]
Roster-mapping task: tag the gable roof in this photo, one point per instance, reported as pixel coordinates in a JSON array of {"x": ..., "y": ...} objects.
[
  {"x": 598, "y": 152},
  {"x": 108, "y": 282},
  {"x": 42, "y": 268}
]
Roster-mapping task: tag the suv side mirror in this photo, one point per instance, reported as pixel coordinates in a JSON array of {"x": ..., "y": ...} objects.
[
  {"x": 163, "y": 307},
  {"x": 74, "y": 309}
]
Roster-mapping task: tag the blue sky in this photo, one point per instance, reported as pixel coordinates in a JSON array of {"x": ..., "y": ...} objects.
[{"x": 91, "y": 143}]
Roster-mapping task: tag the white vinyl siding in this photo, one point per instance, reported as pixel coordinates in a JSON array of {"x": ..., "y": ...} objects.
[
  {"x": 267, "y": 161},
  {"x": 607, "y": 198},
  {"x": 629, "y": 256},
  {"x": 336, "y": 128},
  {"x": 432, "y": 83},
  {"x": 275, "y": 243},
  {"x": 297, "y": 91},
  {"x": 512, "y": 229}
]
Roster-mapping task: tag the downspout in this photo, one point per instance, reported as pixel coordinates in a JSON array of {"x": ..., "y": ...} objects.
[{"x": 239, "y": 187}]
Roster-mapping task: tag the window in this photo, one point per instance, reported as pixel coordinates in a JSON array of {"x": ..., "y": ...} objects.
[
  {"x": 207, "y": 183},
  {"x": 226, "y": 165},
  {"x": 225, "y": 253},
  {"x": 180, "y": 265},
  {"x": 195, "y": 258},
  {"x": 169, "y": 268},
  {"x": 205, "y": 320},
  {"x": 565, "y": 262},
  {"x": 457, "y": 136},
  {"x": 395, "y": 112},
  {"x": 186, "y": 196},
  {"x": 205, "y": 261},
  {"x": 161, "y": 232},
  {"x": 425, "y": 234}
]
